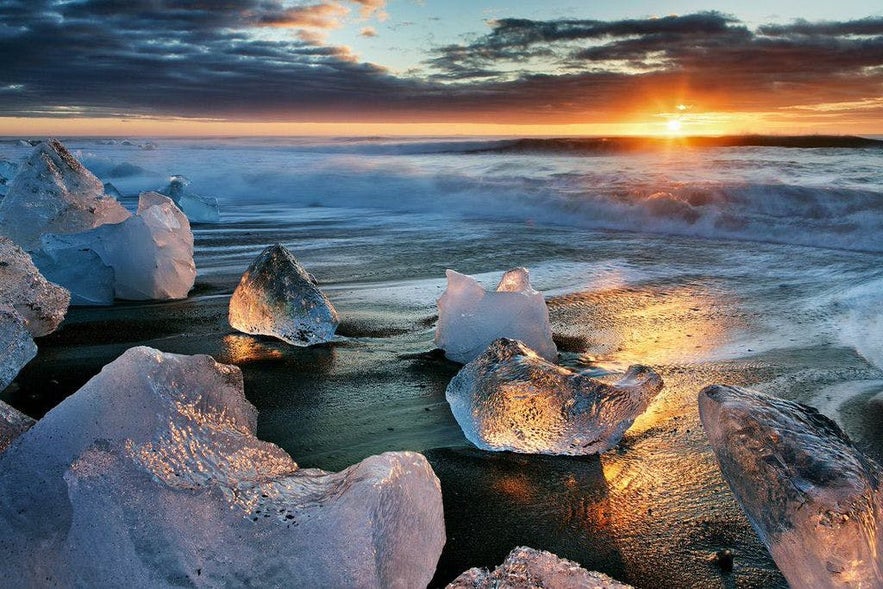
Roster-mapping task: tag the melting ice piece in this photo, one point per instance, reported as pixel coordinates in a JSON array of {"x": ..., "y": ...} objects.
[
  {"x": 199, "y": 209},
  {"x": 470, "y": 318},
  {"x": 150, "y": 254},
  {"x": 53, "y": 193},
  {"x": 17, "y": 348},
  {"x": 527, "y": 568},
  {"x": 41, "y": 304},
  {"x": 13, "y": 422},
  {"x": 277, "y": 297},
  {"x": 511, "y": 399},
  {"x": 810, "y": 495},
  {"x": 150, "y": 475}
]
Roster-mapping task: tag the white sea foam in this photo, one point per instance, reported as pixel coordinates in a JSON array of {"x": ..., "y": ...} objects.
[{"x": 817, "y": 197}]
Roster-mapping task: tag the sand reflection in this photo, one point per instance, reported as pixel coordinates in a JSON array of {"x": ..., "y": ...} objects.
[{"x": 648, "y": 324}]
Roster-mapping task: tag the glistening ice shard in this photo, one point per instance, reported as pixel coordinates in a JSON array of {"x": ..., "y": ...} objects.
[
  {"x": 810, "y": 495},
  {"x": 276, "y": 296},
  {"x": 470, "y": 318},
  {"x": 52, "y": 192},
  {"x": 151, "y": 476},
  {"x": 526, "y": 568},
  {"x": 511, "y": 399}
]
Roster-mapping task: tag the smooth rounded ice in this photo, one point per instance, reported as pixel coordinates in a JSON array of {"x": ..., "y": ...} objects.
[{"x": 810, "y": 495}]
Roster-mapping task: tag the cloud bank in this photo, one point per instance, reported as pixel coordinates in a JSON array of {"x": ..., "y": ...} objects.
[{"x": 215, "y": 60}]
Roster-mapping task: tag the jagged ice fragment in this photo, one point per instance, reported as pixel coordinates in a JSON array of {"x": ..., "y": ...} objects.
[
  {"x": 17, "y": 347},
  {"x": 13, "y": 422},
  {"x": 151, "y": 476},
  {"x": 277, "y": 296},
  {"x": 511, "y": 399},
  {"x": 41, "y": 304},
  {"x": 810, "y": 495},
  {"x": 52, "y": 192},
  {"x": 470, "y": 318},
  {"x": 527, "y": 568}
]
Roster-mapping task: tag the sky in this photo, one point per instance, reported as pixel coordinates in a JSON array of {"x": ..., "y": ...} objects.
[{"x": 366, "y": 67}]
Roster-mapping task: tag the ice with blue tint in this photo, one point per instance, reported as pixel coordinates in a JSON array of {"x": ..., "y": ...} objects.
[
  {"x": 470, "y": 318},
  {"x": 52, "y": 192},
  {"x": 276, "y": 296},
  {"x": 511, "y": 399},
  {"x": 151, "y": 476},
  {"x": 527, "y": 568},
  {"x": 811, "y": 496},
  {"x": 17, "y": 347},
  {"x": 150, "y": 255},
  {"x": 7, "y": 172},
  {"x": 198, "y": 208}
]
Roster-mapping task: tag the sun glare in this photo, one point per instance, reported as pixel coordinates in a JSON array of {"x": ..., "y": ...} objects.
[{"x": 673, "y": 126}]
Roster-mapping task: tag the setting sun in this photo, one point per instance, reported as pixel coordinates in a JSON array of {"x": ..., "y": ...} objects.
[{"x": 673, "y": 126}]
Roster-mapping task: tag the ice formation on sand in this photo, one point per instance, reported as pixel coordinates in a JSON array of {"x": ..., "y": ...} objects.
[
  {"x": 151, "y": 476},
  {"x": 13, "y": 422},
  {"x": 17, "y": 347},
  {"x": 151, "y": 255},
  {"x": 199, "y": 209},
  {"x": 810, "y": 495},
  {"x": 53, "y": 193},
  {"x": 41, "y": 304},
  {"x": 277, "y": 297},
  {"x": 526, "y": 568},
  {"x": 470, "y": 318},
  {"x": 511, "y": 399}
]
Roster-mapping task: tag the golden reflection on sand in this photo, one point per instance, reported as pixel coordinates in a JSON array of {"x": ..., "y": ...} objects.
[
  {"x": 241, "y": 349},
  {"x": 652, "y": 324}
]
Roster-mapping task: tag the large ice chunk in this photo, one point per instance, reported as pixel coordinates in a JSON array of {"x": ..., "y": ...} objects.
[
  {"x": 277, "y": 297},
  {"x": 810, "y": 495},
  {"x": 527, "y": 568},
  {"x": 13, "y": 422},
  {"x": 511, "y": 399},
  {"x": 150, "y": 254},
  {"x": 53, "y": 193},
  {"x": 151, "y": 476},
  {"x": 17, "y": 347},
  {"x": 41, "y": 304},
  {"x": 199, "y": 209},
  {"x": 470, "y": 318}
]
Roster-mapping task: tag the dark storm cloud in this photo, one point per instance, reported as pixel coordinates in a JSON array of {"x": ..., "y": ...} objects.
[
  {"x": 706, "y": 53},
  {"x": 192, "y": 58},
  {"x": 202, "y": 58}
]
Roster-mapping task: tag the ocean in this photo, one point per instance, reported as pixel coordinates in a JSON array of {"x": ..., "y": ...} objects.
[{"x": 753, "y": 264}]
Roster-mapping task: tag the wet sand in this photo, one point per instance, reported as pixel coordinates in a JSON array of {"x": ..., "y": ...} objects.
[{"x": 653, "y": 512}]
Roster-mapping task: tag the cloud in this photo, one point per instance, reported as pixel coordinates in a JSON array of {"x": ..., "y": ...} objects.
[
  {"x": 192, "y": 58},
  {"x": 709, "y": 53},
  {"x": 368, "y": 32}
]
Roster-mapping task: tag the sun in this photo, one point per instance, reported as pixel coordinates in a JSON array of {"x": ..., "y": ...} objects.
[{"x": 673, "y": 126}]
